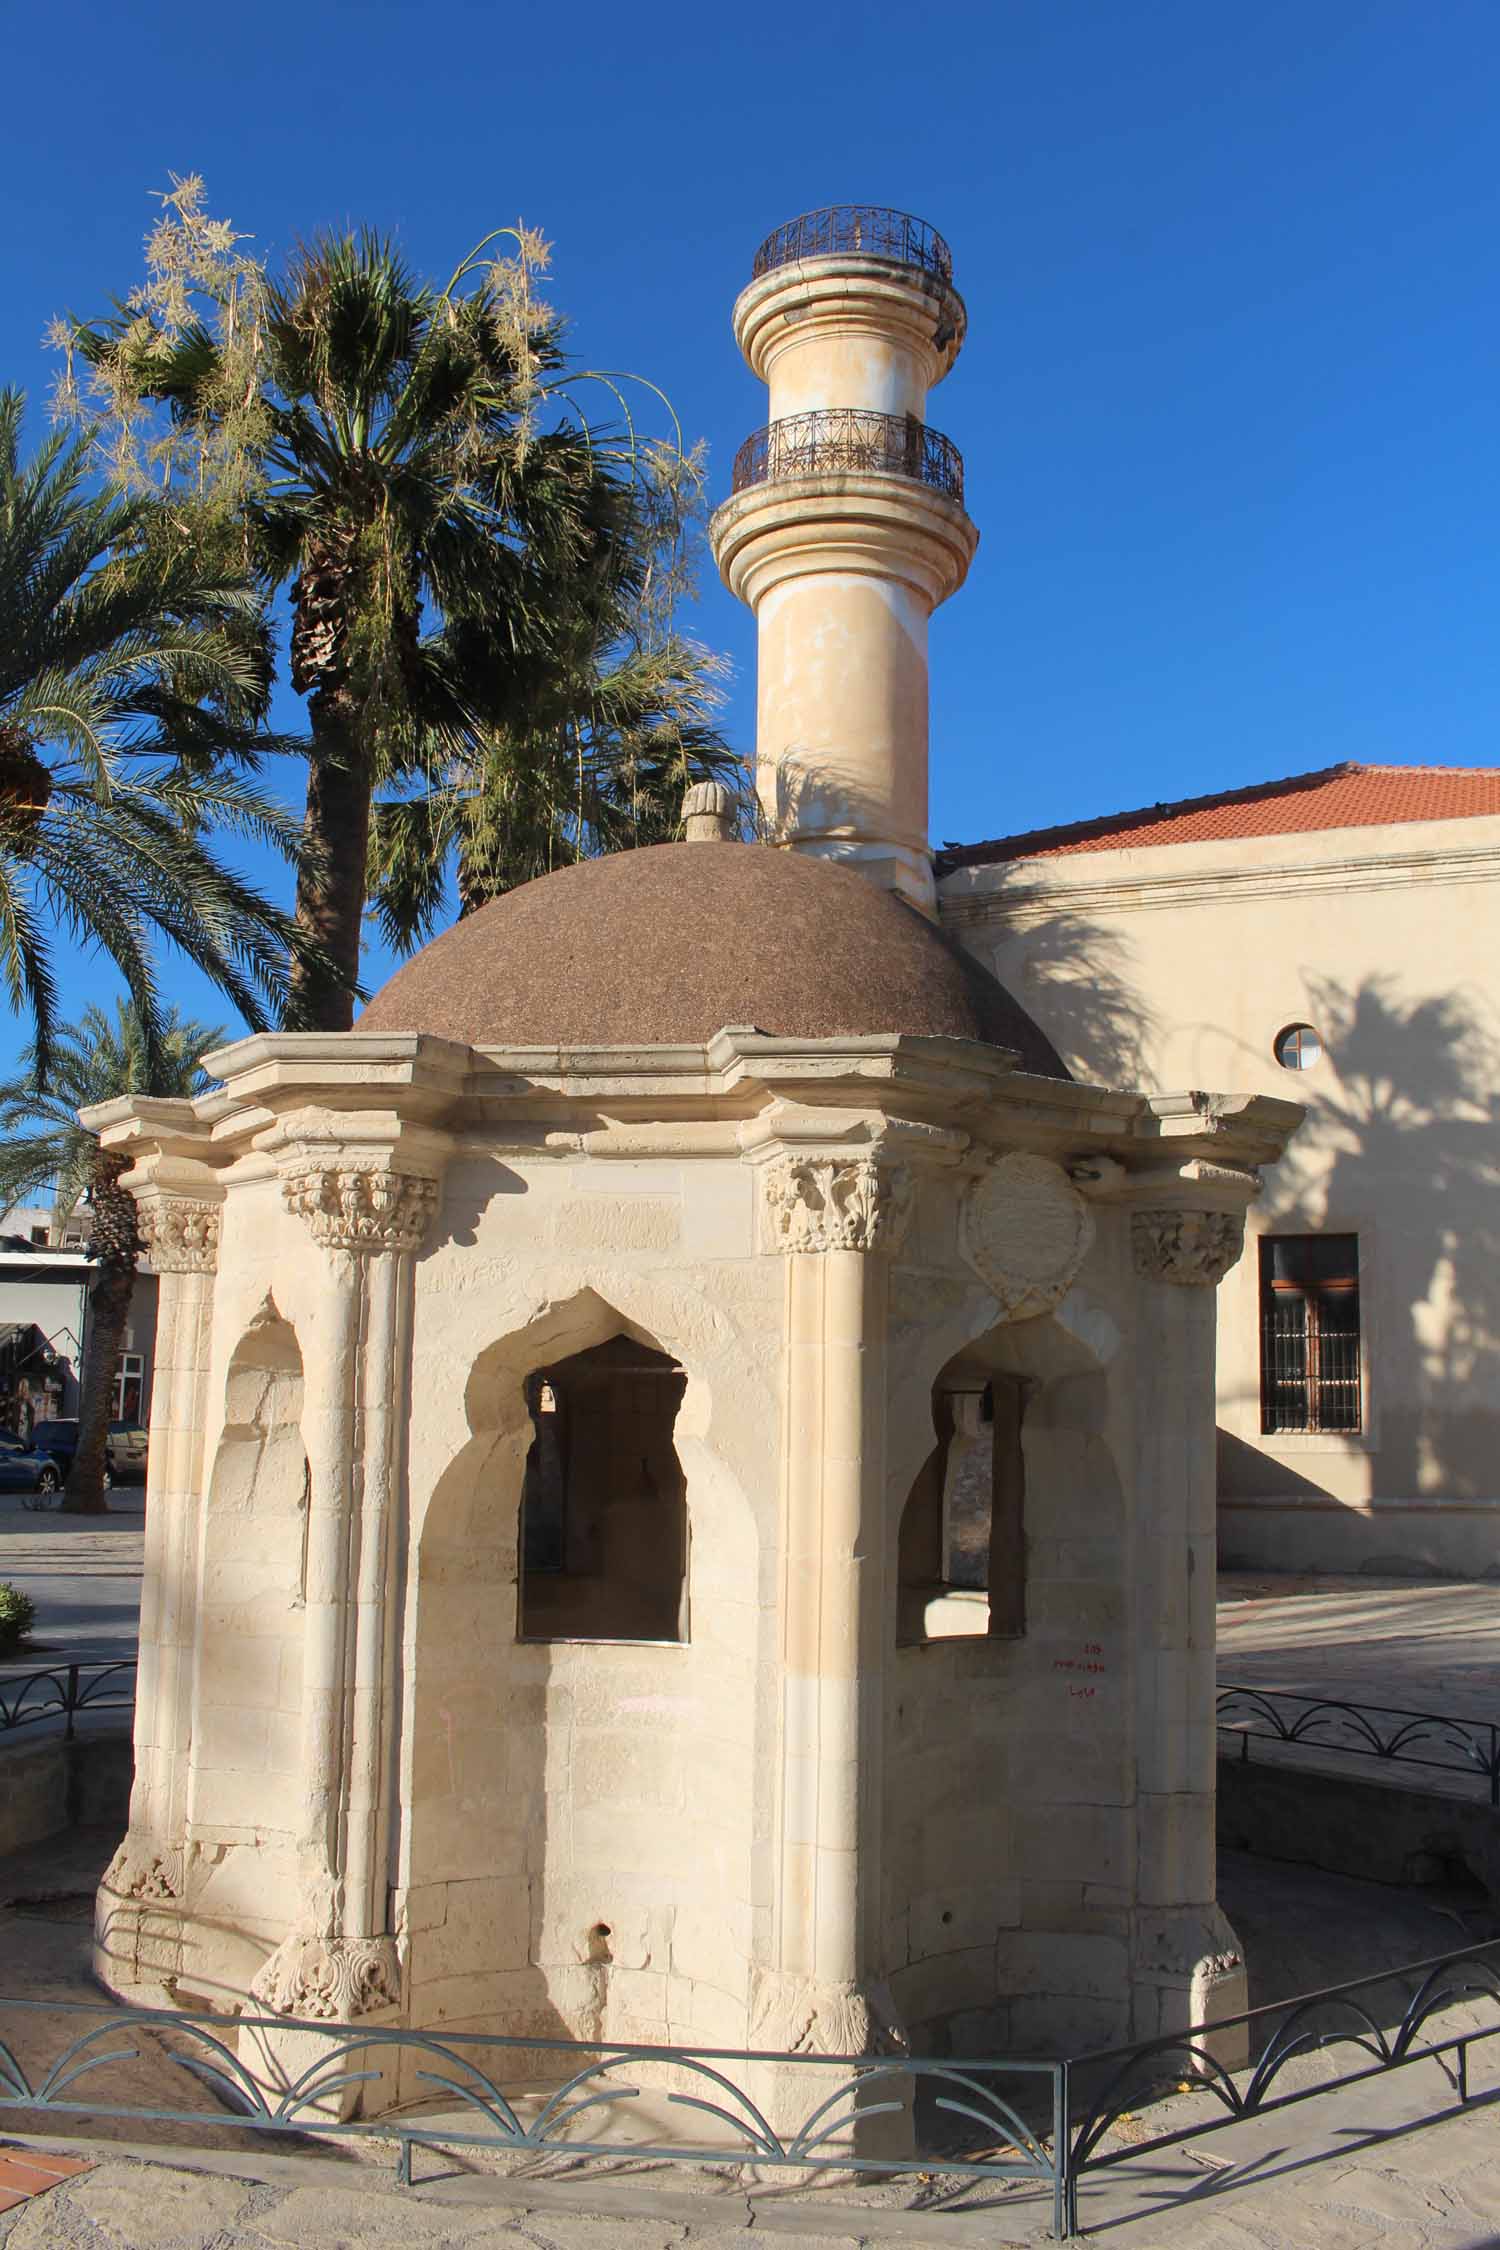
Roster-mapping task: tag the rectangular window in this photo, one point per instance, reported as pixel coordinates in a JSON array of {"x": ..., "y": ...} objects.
[
  {"x": 129, "y": 1383},
  {"x": 1309, "y": 1333}
]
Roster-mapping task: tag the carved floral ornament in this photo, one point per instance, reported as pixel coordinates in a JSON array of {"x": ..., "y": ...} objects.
[
  {"x": 328, "y": 1979},
  {"x": 837, "y": 1203},
  {"x": 1025, "y": 1230},
  {"x": 179, "y": 1236},
  {"x": 146, "y": 1871},
  {"x": 351, "y": 1207},
  {"x": 1194, "y": 1249}
]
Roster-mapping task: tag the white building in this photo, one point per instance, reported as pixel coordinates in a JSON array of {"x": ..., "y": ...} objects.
[
  {"x": 44, "y": 1298},
  {"x": 1332, "y": 937}
]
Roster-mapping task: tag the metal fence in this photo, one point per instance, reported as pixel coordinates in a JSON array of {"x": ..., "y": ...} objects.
[
  {"x": 866, "y": 229},
  {"x": 1433, "y": 1739},
  {"x": 850, "y": 438},
  {"x": 1006, "y": 2119},
  {"x": 1309, "y": 2023},
  {"x": 64, "y": 1691}
]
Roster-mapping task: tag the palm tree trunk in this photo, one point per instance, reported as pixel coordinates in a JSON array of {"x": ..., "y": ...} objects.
[
  {"x": 331, "y": 879},
  {"x": 118, "y": 1242}
]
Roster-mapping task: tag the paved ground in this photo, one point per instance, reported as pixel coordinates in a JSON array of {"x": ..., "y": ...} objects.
[
  {"x": 82, "y": 1572},
  {"x": 1429, "y": 1646}
]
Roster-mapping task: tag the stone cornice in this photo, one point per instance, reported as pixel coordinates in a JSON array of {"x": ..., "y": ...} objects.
[
  {"x": 886, "y": 527},
  {"x": 1000, "y": 894},
  {"x": 848, "y": 294},
  {"x": 301, "y": 1102}
]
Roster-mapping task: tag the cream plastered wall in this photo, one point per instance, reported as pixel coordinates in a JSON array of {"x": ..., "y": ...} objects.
[{"x": 1178, "y": 965}]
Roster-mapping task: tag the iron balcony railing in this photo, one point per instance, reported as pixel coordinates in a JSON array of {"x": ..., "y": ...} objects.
[
  {"x": 850, "y": 438},
  {"x": 29, "y": 1699},
  {"x": 1467, "y": 1747},
  {"x": 866, "y": 230}
]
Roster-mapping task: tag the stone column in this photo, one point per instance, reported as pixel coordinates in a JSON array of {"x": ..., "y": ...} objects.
[
  {"x": 367, "y": 1217},
  {"x": 835, "y": 1215},
  {"x": 1188, "y": 1966},
  {"x": 181, "y": 1236}
]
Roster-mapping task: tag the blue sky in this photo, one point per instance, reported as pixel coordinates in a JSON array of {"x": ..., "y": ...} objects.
[{"x": 1229, "y": 404}]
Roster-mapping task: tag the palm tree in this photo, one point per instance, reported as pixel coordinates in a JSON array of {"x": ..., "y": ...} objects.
[
  {"x": 598, "y": 763},
  {"x": 43, "y": 1145},
  {"x": 133, "y": 676},
  {"x": 429, "y": 528}
]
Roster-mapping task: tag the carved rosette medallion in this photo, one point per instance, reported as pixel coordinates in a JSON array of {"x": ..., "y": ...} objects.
[
  {"x": 360, "y": 1208},
  {"x": 837, "y": 1203},
  {"x": 1025, "y": 1230},
  {"x": 328, "y": 1979},
  {"x": 179, "y": 1236},
  {"x": 1194, "y": 1249}
]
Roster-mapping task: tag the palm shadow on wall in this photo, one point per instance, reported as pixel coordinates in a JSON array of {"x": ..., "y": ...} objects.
[{"x": 1408, "y": 1135}]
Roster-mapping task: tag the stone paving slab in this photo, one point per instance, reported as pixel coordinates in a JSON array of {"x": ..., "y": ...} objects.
[{"x": 1426, "y": 1646}]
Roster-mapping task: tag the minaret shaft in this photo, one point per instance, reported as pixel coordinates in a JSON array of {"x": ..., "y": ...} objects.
[{"x": 845, "y": 531}]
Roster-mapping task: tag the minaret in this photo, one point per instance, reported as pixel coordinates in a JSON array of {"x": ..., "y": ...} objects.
[{"x": 846, "y": 529}]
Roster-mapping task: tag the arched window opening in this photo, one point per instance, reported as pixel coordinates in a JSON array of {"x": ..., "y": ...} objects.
[
  {"x": 604, "y": 1530},
  {"x": 961, "y": 1564}
]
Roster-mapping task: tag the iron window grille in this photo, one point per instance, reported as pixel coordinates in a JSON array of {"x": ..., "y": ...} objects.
[{"x": 1310, "y": 1356}]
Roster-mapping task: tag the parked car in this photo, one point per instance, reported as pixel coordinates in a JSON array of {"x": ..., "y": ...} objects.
[
  {"x": 22, "y": 1470},
  {"x": 124, "y": 1448}
]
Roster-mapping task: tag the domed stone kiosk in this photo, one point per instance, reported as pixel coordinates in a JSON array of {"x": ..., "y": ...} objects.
[{"x": 681, "y": 1496}]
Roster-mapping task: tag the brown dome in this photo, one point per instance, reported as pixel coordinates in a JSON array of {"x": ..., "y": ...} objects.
[{"x": 665, "y": 946}]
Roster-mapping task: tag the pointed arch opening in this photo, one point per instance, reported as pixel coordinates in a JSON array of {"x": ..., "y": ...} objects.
[
  {"x": 246, "y": 1757},
  {"x": 604, "y": 1521}
]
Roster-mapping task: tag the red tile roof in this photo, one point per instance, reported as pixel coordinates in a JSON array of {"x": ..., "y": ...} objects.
[{"x": 1346, "y": 796}]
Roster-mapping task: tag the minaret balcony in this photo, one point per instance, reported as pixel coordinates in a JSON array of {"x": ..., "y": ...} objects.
[
  {"x": 861, "y": 230},
  {"x": 851, "y": 439}
]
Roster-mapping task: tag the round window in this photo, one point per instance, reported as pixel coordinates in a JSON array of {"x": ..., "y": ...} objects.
[{"x": 1298, "y": 1047}]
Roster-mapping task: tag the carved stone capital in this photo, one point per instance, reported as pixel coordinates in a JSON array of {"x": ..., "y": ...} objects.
[
  {"x": 1025, "y": 1230},
  {"x": 144, "y": 1870},
  {"x": 1194, "y": 1249},
  {"x": 361, "y": 1207},
  {"x": 836, "y": 1203},
  {"x": 179, "y": 1235},
  {"x": 328, "y": 1979},
  {"x": 793, "y": 2015}
]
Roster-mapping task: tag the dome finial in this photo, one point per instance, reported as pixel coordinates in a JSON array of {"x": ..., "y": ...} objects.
[{"x": 708, "y": 813}]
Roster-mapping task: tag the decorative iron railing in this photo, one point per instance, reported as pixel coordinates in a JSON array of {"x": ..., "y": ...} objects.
[
  {"x": 1353, "y": 2014},
  {"x": 1434, "y": 1739},
  {"x": 1015, "y": 2119},
  {"x": 850, "y": 437},
  {"x": 464, "y": 2102},
  {"x": 867, "y": 230},
  {"x": 63, "y": 1691}
]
